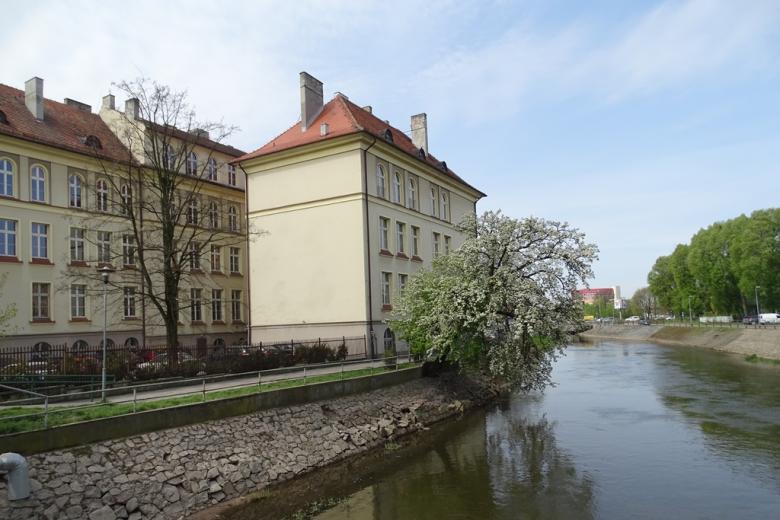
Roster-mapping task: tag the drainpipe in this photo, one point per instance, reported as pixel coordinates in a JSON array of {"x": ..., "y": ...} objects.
[
  {"x": 248, "y": 278},
  {"x": 371, "y": 335},
  {"x": 18, "y": 475}
]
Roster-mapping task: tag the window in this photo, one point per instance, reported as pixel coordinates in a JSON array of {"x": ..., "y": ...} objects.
[
  {"x": 104, "y": 247},
  {"x": 128, "y": 301},
  {"x": 400, "y": 233},
  {"x": 396, "y": 193},
  {"x": 169, "y": 157},
  {"x": 38, "y": 184},
  {"x": 40, "y": 240},
  {"x": 216, "y": 259},
  {"x": 235, "y": 266},
  {"x": 192, "y": 212},
  {"x": 384, "y": 225},
  {"x": 212, "y": 169},
  {"x": 447, "y": 244},
  {"x": 6, "y": 178},
  {"x": 40, "y": 301},
  {"x": 213, "y": 215},
  {"x": 235, "y": 304},
  {"x": 411, "y": 193},
  {"x": 434, "y": 202},
  {"x": 231, "y": 175},
  {"x": 78, "y": 301},
  {"x": 102, "y": 195},
  {"x": 380, "y": 182},
  {"x": 192, "y": 164},
  {"x": 128, "y": 250},
  {"x": 232, "y": 218},
  {"x": 7, "y": 237},
  {"x": 76, "y": 244},
  {"x": 436, "y": 243},
  {"x": 386, "y": 281},
  {"x": 196, "y": 311},
  {"x": 389, "y": 340},
  {"x": 216, "y": 305},
  {"x": 126, "y": 197},
  {"x": 74, "y": 191},
  {"x": 402, "y": 279},
  {"x": 415, "y": 241},
  {"x": 444, "y": 214},
  {"x": 80, "y": 347},
  {"x": 194, "y": 256}
]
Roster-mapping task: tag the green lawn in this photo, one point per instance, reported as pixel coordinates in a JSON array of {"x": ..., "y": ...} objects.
[{"x": 13, "y": 419}]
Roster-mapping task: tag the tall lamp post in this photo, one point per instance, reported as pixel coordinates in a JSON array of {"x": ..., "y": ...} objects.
[
  {"x": 690, "y": 314},
  {"x": 758, "y": 309},
  {"x": 105, "y": 272}
]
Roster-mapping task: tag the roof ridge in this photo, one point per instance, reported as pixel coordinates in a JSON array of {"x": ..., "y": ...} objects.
[{"x": 345, "y": 106}]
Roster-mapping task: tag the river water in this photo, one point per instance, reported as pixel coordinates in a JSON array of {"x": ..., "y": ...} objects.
[{"x": 629, "y": 431}]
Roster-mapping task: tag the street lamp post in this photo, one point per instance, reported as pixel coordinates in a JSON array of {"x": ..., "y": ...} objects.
[
  {"x": 758, "y": 309},
  {"x": 690, "y": 314},
  {"x": 105, "y": 272}
]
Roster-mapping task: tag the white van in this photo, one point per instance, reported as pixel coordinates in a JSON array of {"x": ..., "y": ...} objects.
[{"x": 771, "y": 317}]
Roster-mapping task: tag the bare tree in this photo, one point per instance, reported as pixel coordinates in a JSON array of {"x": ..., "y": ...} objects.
[{"x": 646, "y": 301}]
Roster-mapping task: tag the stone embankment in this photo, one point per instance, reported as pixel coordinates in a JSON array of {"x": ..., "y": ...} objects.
[
  {"x": 172, "y": 473},
  {"x": 763, "y": 342}
]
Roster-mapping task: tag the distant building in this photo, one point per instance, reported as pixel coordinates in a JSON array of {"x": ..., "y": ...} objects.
[{"x": 590, "y": 295}]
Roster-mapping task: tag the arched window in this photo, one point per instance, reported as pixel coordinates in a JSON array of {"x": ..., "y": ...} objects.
[
  {"x": 131, "y": 344},
  {"x": 380, "y": 182},
  {"x": 232, "y": 218},
  {"x": 445, "y": 206},
  {"x": 213, "y": 215},
  {"x": 192, "y": 164},
  {"x": 219, "y": 342},
  {"x": 74, "y": 191},
  {"x": 101, "y": 193},
  {"x": 6, "y": 178},
  {"x": 38, "y": 183},
  {"x": 397, "y": 187},
  {"x": 40, "y": 351},
  {"x": 93, "y": 142},
  {"x": 192, "y": 212},
  {"x": 212, "y": 169},
  {"x": 169, "y": 157},
  {"x": 389, "y": 340},
  {"x": 411, "y": 195},
  {"x": 80, "y": 347},
  {"x": 109, "y": 344},
  {"x": 127, "y": 199},
  {"x": 434, "y": 202}
]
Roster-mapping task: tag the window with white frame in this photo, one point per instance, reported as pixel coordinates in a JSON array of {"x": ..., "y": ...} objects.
[
  {"x": 387, "y": 279},
  {"x": 192, "y": 212},
  {"x": 381, "y": 182},
  {"x": 232, "y": 218},
  {"x": 128, "y": 301},
  {"x": 213, "y": 215},
  {"x": 436, "y": 244},
  {"x": 75, "y": 191},
  {"x": 216, "y": 305},
  {"x": 101, "y": 195},
  {"x": 78, "y": 301},
  {"x": 77, "y": 244},
  {"x": 235, "y": 305},
  {"x": 7, "y": 237},
  {"x": 234, "y": 260},
  {"x": 128, "y": 250},
  {"x": 38, "y": 183},
  {"x": 194, "y": 256},
  {"x": 231, "y": 175},
  {"x": 192, "y": 164},
  {"x": 6, "y": 178},
  {"x": 402, "y": 280},
  {"x": 196, "y": 302},
  {"x": 447, "y": 244},
  {"x": 384, "y": 238},
  {"x": 216, "y": 259},
  {"x": 211, "y": 167},
  {"x": 169, "y": 157},
  {"x": 397, "y": 186},
  {"x": 415, "y": 241},
  {"x": 40, "y": 240},
  {"x": 434, "y": 201},
  {"x": 40, "y": 301},
  {"x": 104, "y": 247},
  {"x": 126, "y": 199},
  {"x": 444, "y": 214},
  {"x": 411, "y": 192},
  {"x": 400, "y": 237}
]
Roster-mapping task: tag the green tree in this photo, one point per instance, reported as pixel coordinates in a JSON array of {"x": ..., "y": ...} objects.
[{"x": 505, "y": 300}]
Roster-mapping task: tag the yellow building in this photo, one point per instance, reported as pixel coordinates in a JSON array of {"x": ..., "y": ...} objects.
[
  {"x": 350, "y": 207},
  {"x": 61, "y": 216}
]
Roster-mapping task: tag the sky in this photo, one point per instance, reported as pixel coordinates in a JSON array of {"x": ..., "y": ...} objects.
[{"x": 638, "y": 123}]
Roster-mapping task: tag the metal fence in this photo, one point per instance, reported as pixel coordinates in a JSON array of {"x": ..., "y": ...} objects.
[
  {"x": 60, "y": 365},
  {"x": 690, "y": 324}
]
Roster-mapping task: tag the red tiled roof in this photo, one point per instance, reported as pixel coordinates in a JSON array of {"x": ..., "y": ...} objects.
[
  {"x": 193, "y": 138},
  {"x": 344, "y": 118},
  {"x": 63, "y": 126}
]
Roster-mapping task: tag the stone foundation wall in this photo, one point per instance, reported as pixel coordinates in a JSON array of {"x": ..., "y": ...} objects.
[{"x": 172, "y": 473}]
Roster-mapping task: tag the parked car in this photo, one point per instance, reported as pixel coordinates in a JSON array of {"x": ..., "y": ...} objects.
[
  {"x": 644, "y": 321},
  {"x": 750, "y": 320},
  {"x": 771, "y": 317},
  {"x": 160, "y": 362},
  {"x": 633, "y": 319}
]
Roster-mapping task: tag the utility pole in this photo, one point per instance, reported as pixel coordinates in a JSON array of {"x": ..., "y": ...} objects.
[
  {"x": 758, "y": 309},
  {"x": 690, "y": 314}
]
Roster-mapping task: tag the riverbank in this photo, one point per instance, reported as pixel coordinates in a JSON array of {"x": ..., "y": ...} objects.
[
  {"x": 176, "y": 472},
  {"x": 764, "y": 343}
]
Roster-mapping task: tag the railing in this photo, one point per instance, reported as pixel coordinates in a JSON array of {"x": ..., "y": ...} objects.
[
  {"x": 132, "y": 401},
  {"x": 689, "y": 324}
]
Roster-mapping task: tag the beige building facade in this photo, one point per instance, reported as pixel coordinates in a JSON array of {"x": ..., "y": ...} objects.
[{"x": 350, "y": 207}]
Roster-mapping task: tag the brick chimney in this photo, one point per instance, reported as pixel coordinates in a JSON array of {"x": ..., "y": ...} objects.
[
  {"x": 131, "y": 109},
  {"x": 311, "y": 99},
  {"x": 33, "y": 96},
  {"x": 420, "y": 131}
]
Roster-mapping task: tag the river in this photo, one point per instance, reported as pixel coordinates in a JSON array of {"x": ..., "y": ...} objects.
[{"x": 628, "y": 431}]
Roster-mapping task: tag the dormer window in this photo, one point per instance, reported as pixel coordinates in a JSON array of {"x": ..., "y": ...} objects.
[
  {"x": 3, "y": 118},
  {"x": 421, "y": 153},
  {"x": 388, "y": 135},
  {"x": 93, "y": 142}
]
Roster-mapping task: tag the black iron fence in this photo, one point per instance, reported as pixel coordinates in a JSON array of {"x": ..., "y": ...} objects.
[{"x": 58, "y": 364}]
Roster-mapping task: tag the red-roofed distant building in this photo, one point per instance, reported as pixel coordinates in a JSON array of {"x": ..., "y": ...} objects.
[{"x": 590, "y": 295}]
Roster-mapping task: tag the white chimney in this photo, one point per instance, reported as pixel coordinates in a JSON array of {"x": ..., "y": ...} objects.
[
  {"x": 108, "y": 102},
  {"x": 311, "y": 99},
  {"x": 33, "y": 96},
  {"x": 132, "y": 108},
  {"x": 420, "y": 131}
]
